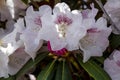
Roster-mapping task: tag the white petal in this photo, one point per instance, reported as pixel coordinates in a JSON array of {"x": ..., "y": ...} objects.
[
  {"x": 31, "y": 46},
  {"x": 73, "y": 37},
  {"x": 101, "y": 23},
  {"x": 3, "y": 65},
  {"x": 75, "y": 31},
  {"x": 45, "y": 9},
  {"x": 61, "y": 7}
]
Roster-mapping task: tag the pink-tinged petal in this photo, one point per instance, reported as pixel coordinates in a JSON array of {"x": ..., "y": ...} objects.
[
  {"x": 89, "y": 16},
  {"x": 17, "y": 60},
  {"x": 33, "y": 19},
  {"x": 34, "y": 24},
  {"x": 3, "y": 65},
  {"x": 90, "y": 13},
  {"x": 96, "y": 40},
  {"x": 94, "y": 44},
  {"x": 112, "y": 65}
]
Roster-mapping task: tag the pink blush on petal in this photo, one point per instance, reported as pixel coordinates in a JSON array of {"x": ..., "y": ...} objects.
[
  {"x": 92, "y": 30},
  {"x": 37, "y": 21},
  {"x": 63, "y": 19},
  {"x": 118, "y": 63}
]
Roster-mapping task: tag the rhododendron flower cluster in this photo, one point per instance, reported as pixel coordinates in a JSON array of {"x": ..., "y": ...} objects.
[{"x": 63, "y": 29}]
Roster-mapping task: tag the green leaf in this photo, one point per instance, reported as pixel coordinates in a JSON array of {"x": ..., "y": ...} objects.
[
  {"x": 99, "y": 59},
  {"x": 30, "y": 64},
  {"x": 93, "y": 69},
  {"x": 25, "y": 1},
  {"x": 114, "y": 40},
  {"x": 45, "y": 73},
  {"x": 63, "y": 71},
  {"x": 59, "y": 72}
]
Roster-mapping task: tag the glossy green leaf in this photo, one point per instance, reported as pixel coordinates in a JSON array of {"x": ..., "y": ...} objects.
[
  {"x": 63, "y": 71},
  {"x": 59, "y": 72},
  {"x": 93, "y": 69},
  {"x": 99, "y": 59},
  {"x": 31, "y": 63},
  {"x": 45, "y": 73}
]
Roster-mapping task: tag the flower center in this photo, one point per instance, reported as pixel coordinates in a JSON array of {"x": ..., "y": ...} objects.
[
  {"x": 62, "y": 22},
  {"x": 38, "y": 23}
]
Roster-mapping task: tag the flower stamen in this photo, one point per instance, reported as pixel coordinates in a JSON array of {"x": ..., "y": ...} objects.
[{"x": 61, "y": 24}]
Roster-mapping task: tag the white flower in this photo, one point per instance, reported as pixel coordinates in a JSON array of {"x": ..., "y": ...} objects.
[
  {"x": 5, "y": 51},
  {"x": 63, "y": 28},
  {"x": 33, "y": 26},
  {"x": 113, "y": 9},
  {"x": 112, "y": 65},
  {"x": 11, "y": 41},
  {"x": 90, "y": 13},
  {"x": 96, "y": 39},
  {"x": 89, "y": 16},
  {"x": 12, "y": 54}
]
